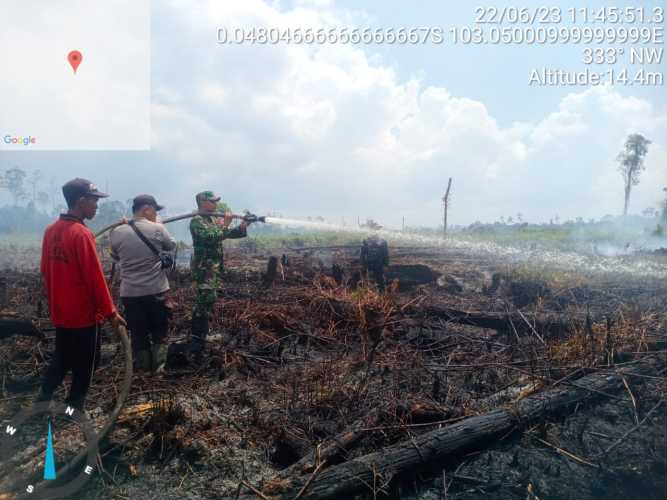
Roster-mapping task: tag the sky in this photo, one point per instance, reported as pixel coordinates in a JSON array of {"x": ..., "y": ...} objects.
[{"x": 372, "y": 131}]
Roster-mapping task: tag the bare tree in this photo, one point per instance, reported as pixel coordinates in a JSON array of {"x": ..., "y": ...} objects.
[
  {"x": 33, "y": 179},
  {"x": 43, "y": 199},
  {"x": 55, "y": 196},
  {"x": 445, "y": 207},
  {"x": 631, "y": 163},
  {"x": 13, "y": 181}
]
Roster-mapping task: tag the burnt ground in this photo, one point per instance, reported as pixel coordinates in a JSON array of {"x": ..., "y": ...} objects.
[{"x": 295, "y": 362}]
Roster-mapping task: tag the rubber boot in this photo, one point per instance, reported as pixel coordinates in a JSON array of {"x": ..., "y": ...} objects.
[
  {"x": 142, "y": 361},
  {"x": 159, "y": 357}
]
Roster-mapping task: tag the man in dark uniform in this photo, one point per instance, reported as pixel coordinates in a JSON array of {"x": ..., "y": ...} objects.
[
  {"x": 374, "y": 258},
  {"x": 208, "y": 233}
]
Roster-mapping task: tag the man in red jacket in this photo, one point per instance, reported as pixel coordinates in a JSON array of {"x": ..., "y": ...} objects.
[{"x": 79, "y": 299}]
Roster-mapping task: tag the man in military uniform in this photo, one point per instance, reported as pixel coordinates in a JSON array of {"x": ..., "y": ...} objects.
[
  {"x": 208, "y": 233},
  {"x": 374, "y": 258}
]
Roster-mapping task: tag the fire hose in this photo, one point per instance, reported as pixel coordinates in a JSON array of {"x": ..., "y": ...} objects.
[{"x": 247, "y": 217}]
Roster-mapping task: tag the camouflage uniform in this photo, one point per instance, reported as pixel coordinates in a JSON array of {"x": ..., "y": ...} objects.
[
  {"x": 374, "y": 257},
  {"x": 207, "y": 266}
]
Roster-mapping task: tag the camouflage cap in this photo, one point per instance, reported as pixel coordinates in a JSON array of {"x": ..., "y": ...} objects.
[{"x": 207, "y": 196}]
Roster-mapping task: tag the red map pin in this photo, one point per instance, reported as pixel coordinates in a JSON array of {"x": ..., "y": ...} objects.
[{"x": 74, "y": 59}]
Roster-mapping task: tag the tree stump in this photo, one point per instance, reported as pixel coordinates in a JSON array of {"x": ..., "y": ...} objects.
[{"x": 271, "y": 272}]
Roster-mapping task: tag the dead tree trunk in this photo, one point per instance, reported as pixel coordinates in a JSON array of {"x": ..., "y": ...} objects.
[
  {"x": 271, "y": 272},
  {"x": 626, "y": 197},
  {"x": 4, "y": 302},
  {"x": 445, "y": 206},
  {"x": 380, "y": 467},
  {"x": 4, "y": 296}
]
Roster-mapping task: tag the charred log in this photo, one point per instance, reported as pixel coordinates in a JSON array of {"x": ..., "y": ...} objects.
[
  {"x": 411, "y": 275},
  {"x": 521, "y": 323},
  {"x": 14, "y": 326},
  {"x": 473, "y": 433}
]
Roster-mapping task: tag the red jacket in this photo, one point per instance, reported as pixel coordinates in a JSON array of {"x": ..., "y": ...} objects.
[{"x": 73, "y": 277}]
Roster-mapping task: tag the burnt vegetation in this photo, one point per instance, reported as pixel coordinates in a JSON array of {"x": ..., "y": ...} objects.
[{"x": 470, "y": 377}]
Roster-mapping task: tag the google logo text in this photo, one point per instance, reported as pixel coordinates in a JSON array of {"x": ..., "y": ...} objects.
[{"x": 26, "y": 141}]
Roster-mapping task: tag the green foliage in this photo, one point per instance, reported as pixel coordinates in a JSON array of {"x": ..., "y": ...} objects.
[
  {"x": 631, "y": 163},
  {"x": 570, "y": 235},
  {"x": 631, "y": 159}
]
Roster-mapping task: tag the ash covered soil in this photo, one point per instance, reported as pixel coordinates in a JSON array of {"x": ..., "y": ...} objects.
[{"x": 301, "y": 359}]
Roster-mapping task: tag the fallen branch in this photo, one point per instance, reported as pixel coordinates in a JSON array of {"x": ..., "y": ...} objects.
[
  {"x": 524, "y": 323},
  {"x": 254, "y": 490},
  {"x": 567, "y": 453},
  {"x": 13, "y": 326},
  {"x": 632, "y": 399},
  {"x": 622, "y": 438},
  {"x": 329, "y": 451},
  {"x": 310, "y": 480},
  {"x": 345, "y": 479}
]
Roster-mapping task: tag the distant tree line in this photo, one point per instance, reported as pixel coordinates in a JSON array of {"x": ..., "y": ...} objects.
[{"x": 36, "y": 202}]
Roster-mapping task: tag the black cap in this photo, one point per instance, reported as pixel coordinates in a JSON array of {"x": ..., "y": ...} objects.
[
  {"x": 76, "y": 188},
  {"x": 145, "y": 199}
]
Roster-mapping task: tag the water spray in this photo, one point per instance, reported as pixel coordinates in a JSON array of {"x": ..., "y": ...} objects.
[{"x": 364, "y": 231}]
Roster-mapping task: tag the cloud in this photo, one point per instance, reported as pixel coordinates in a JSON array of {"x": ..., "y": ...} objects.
[
  {"x": 329, "y": 130},
  {"x": 332, "y": 130}
]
